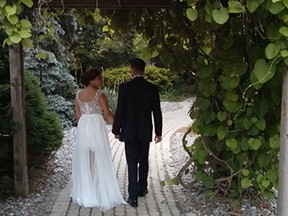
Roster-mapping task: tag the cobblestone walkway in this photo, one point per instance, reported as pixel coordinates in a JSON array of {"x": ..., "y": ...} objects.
[{"x": 160, "y": 200}]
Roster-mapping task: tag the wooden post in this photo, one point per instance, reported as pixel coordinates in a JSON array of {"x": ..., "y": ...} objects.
[
  {"x": 21, "y": 182},
  {"x": 282, "y": 207}
]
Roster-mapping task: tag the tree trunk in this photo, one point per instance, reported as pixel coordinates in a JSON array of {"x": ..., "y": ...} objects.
[
  {"x": 283, "y": 163},
  {"x": 21, "y": 182}
]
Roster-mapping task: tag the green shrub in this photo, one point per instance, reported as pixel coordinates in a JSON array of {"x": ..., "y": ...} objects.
[
  {"x": 44, "y": 133},
  {"x": 44, "y": 129},
  {"x": 161, "y": 77},
  {"x": 113, "y": 77}
]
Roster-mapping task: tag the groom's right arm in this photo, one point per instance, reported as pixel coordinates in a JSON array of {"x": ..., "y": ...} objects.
[{"x": 119, "y": 114}]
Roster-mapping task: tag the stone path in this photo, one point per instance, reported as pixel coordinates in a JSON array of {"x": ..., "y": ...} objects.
[{"x": 160, "y": 200}]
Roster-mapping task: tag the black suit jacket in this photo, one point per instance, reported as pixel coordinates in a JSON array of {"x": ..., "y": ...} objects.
[{"x": 137, "y": 101}]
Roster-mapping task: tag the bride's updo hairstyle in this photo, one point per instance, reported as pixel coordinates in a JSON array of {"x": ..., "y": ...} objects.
[{"x": 89, "y": 75}]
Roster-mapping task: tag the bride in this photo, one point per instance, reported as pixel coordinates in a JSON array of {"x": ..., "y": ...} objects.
[{"x": 93, "y": 176}]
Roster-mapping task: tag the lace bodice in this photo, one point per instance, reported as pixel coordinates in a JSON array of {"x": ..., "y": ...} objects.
[{"x": 90, "y": 107}]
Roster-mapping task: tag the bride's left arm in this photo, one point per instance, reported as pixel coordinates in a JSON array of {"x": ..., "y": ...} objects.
[
  {"x": 77, "y": 110},
  {"x": 105, "y": 107}
]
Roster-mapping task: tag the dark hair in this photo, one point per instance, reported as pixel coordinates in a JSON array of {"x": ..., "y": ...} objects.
[
  {"x": 138, "y": 64},
  {"x": 89, "y": 74}
]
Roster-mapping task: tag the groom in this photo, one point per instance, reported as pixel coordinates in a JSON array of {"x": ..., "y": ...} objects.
[{"x": 137, "y": 101}]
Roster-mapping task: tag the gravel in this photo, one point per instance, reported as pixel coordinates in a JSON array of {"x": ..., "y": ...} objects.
[{"x": 47, "y": 182}]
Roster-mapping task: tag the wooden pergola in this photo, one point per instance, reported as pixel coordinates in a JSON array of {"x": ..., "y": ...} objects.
[
  {"x": 21, "y": 181},
  {"x": 110, "y": 4}
]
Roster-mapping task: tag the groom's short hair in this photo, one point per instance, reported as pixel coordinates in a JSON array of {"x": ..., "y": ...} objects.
[{"x": 138, "y": 64}]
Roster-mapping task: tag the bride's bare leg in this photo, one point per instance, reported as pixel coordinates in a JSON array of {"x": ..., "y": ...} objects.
[{"x": 92, "y": 165}]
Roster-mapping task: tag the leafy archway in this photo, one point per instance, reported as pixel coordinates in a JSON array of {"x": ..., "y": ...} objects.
[{"x": 236, "y": 52}]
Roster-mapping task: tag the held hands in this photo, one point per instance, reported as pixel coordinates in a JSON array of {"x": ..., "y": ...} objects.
[{"x": 158, "y": 139}]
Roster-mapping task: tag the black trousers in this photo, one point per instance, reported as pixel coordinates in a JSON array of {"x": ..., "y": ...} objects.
[{"x": 137, "y": 154}]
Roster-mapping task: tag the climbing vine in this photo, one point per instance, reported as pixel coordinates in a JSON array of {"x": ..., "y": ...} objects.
[
  {"x": 236, "y": 52},
  {"x": 14, "y": 21}
]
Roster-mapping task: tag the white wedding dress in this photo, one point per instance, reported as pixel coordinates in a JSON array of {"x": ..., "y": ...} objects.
[{"x": 94, "y": 182}]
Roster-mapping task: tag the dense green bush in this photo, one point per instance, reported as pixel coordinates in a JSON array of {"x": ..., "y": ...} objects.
[
  {"x": 44, "y": 133},
  {"x": 162, "y": 77}
]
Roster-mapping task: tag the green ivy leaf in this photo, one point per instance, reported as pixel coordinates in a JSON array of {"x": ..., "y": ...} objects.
[
  {"x": 284, "y": 31},
  {"x": 235, "y": 7},
  {"x": 231, "y": 144},
  {"x": 2, "y": 3},
  {"x": 274, "y": 142},
  {"x": 253, "y": 131},
  {"x": 192, "y": 14},
  {"x": 259, "y": 178},
  {"x": 252, "y": 5},
  {"x": 222, "y": 116},
  {"x": 272, "y": 175},
  {"x": 25, "y": 33},
  {"x": 10, "y": 10},
  {"x": 162, "y": 183},
  {"x": 254, "y": 143},
  {"x": 25, "y": 23},
  {"x": 9, "y": 29},
  {"x": 220, "y": 16},
  {"x": 28, "y": 3},
  {"x": 7, "y": 41},
  {"x": 229, "y": 122},
  {"x": 13, "y": 19},
  {"x": 276, "y": 8},
  {"x": 272, "y": 50},
  {"x": 261, "y": 124},
  {"x": 20, "y": 9},
  {"x": 234, "y": 82},
  {"x": 245, "y": 183},
  {"x": 265, "y": 183},
  {"x": 284, "y": 53},
  {"x": 247, "y": 123},
  {"x": 204, "y": 71},
  {"x": 105, "y": 28},
  {"x": 204, "y": 104},
  {"x": 28, "y": 43},
  {"x": 245, "y": 172},
  {"x": 15, "y": 37},
  {"x": 206, "y": 87},
  {"x": 221, "y": 132},
  {"x": 42, "y": 55},
  {"x": 263, "y": 71},
  {"x": 269, "y": 194},
  {"x": 285, "y": 3},
  {"x": 244, "y": 145}
]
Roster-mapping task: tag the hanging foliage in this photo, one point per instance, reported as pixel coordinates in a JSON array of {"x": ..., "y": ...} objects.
[
  {"x": 14, "y": 21},
  {"x": 236, "y": 52}
]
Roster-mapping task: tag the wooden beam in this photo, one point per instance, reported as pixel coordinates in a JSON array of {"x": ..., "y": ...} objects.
[
  {"x": 21, "y": 182},
  {"x": 109, "y": 4},
  {"x": 282, "y": 208}
]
